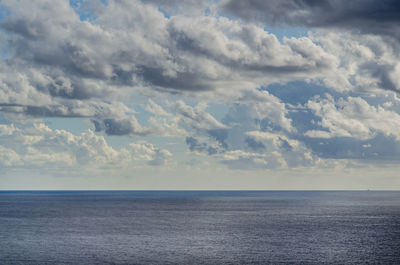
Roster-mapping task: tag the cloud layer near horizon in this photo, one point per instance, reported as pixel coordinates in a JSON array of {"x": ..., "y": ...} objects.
[{"x": 208, "y": 73}]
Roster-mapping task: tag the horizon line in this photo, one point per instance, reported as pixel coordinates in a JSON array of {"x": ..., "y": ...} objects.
[{"x": 190, "y": 190}]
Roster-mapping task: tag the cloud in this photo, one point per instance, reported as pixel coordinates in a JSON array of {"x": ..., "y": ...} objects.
[
  {"x": 364, "y": 62},
  {"x": 58, "y": 64},
  {"x": 127, "y": 126},
  {"x": 35, "y": 94},
  {"x": 239, "y": 159},
  {"x": 254, "y": 144},
  {"x": 370, "y": 16},
  {"x": 362, "y": 129},
  {"x": 365, "y": 42},
  {"x": 253, "y": 139},
  {"x": 8, "y": 157},
  {"x": 156, "y": 109},
  {"x": 174, "y": 61},
  {"x": 202, "y": 147},
  {"x": 143, "y": 151},
  {"x": 278, "y": 140},
  {"x": 181, "y": 53},
  {"x": 266, "y": 108},
  {"x": 39, "y": 146},
  {"x": 352, "y": 117},
  {"x": 197, "y": 117}
]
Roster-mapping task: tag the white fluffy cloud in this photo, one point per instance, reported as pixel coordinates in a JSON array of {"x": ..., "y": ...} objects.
[
  {"x": 97, "y": 62},
  {"x": 58, "y": 59},
  {"x": 366, "y": 63},
  {"x": 352, "y": 117},
  {"x": 40, "y": 146}
]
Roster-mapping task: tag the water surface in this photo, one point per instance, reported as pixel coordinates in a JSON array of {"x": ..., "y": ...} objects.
[{"x": 192, "y": 227}]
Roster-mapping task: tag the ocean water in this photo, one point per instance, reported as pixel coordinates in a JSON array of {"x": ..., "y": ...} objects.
[{"x": 209, "y": 227}]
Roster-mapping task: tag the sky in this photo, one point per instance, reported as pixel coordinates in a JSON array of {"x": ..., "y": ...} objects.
[{"x": 191, "y": 94}]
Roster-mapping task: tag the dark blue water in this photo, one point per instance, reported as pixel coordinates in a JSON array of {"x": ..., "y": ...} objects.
[{"x": 200, "y": 227}]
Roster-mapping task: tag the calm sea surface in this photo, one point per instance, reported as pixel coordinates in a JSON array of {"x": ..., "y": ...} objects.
[{"x": 152, "y": 227}]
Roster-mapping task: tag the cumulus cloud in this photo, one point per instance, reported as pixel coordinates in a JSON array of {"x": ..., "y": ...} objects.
[
  {"x": 202, "y": 147},
  {"x": 126, "y": 126},
  {"x": 242, "y": 160},
  {"x": 60, "y": 65},
  {"x": 365, "y": 42},
  {"x": 197, "y": 117},
  {"x": 143, "y": 151},
  {"x": 352, "y": 117},
  {"x": 181, "y": 53},
  {"x": 364, "y": 62},
  {"x": 38, "y": 95},
  {"x": 97, "y": 62},
  {"x": 40, "y": 146},
  {"x": 239, "y": 159},
  {"x": 253, "y": 140}
]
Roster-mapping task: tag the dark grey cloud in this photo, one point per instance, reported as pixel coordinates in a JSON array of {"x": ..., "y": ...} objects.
[
  {"x": 184, "y": 81},
  {"x": 285, "y": 145},
  {"x": 50, "y": 111},
  {"x": 255, "y": 145},
  {"x": 370, "y": 16},
  {"x": 220, "y": 135},
  {"x": 383, "y": 74},
  {"x": 126, "y": 126},
  {"x": 24, "y": 28},
  {"x": 202, "y": 147}
]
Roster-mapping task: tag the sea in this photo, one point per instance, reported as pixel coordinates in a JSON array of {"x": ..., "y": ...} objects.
[{"x": 199, "y": 227}]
